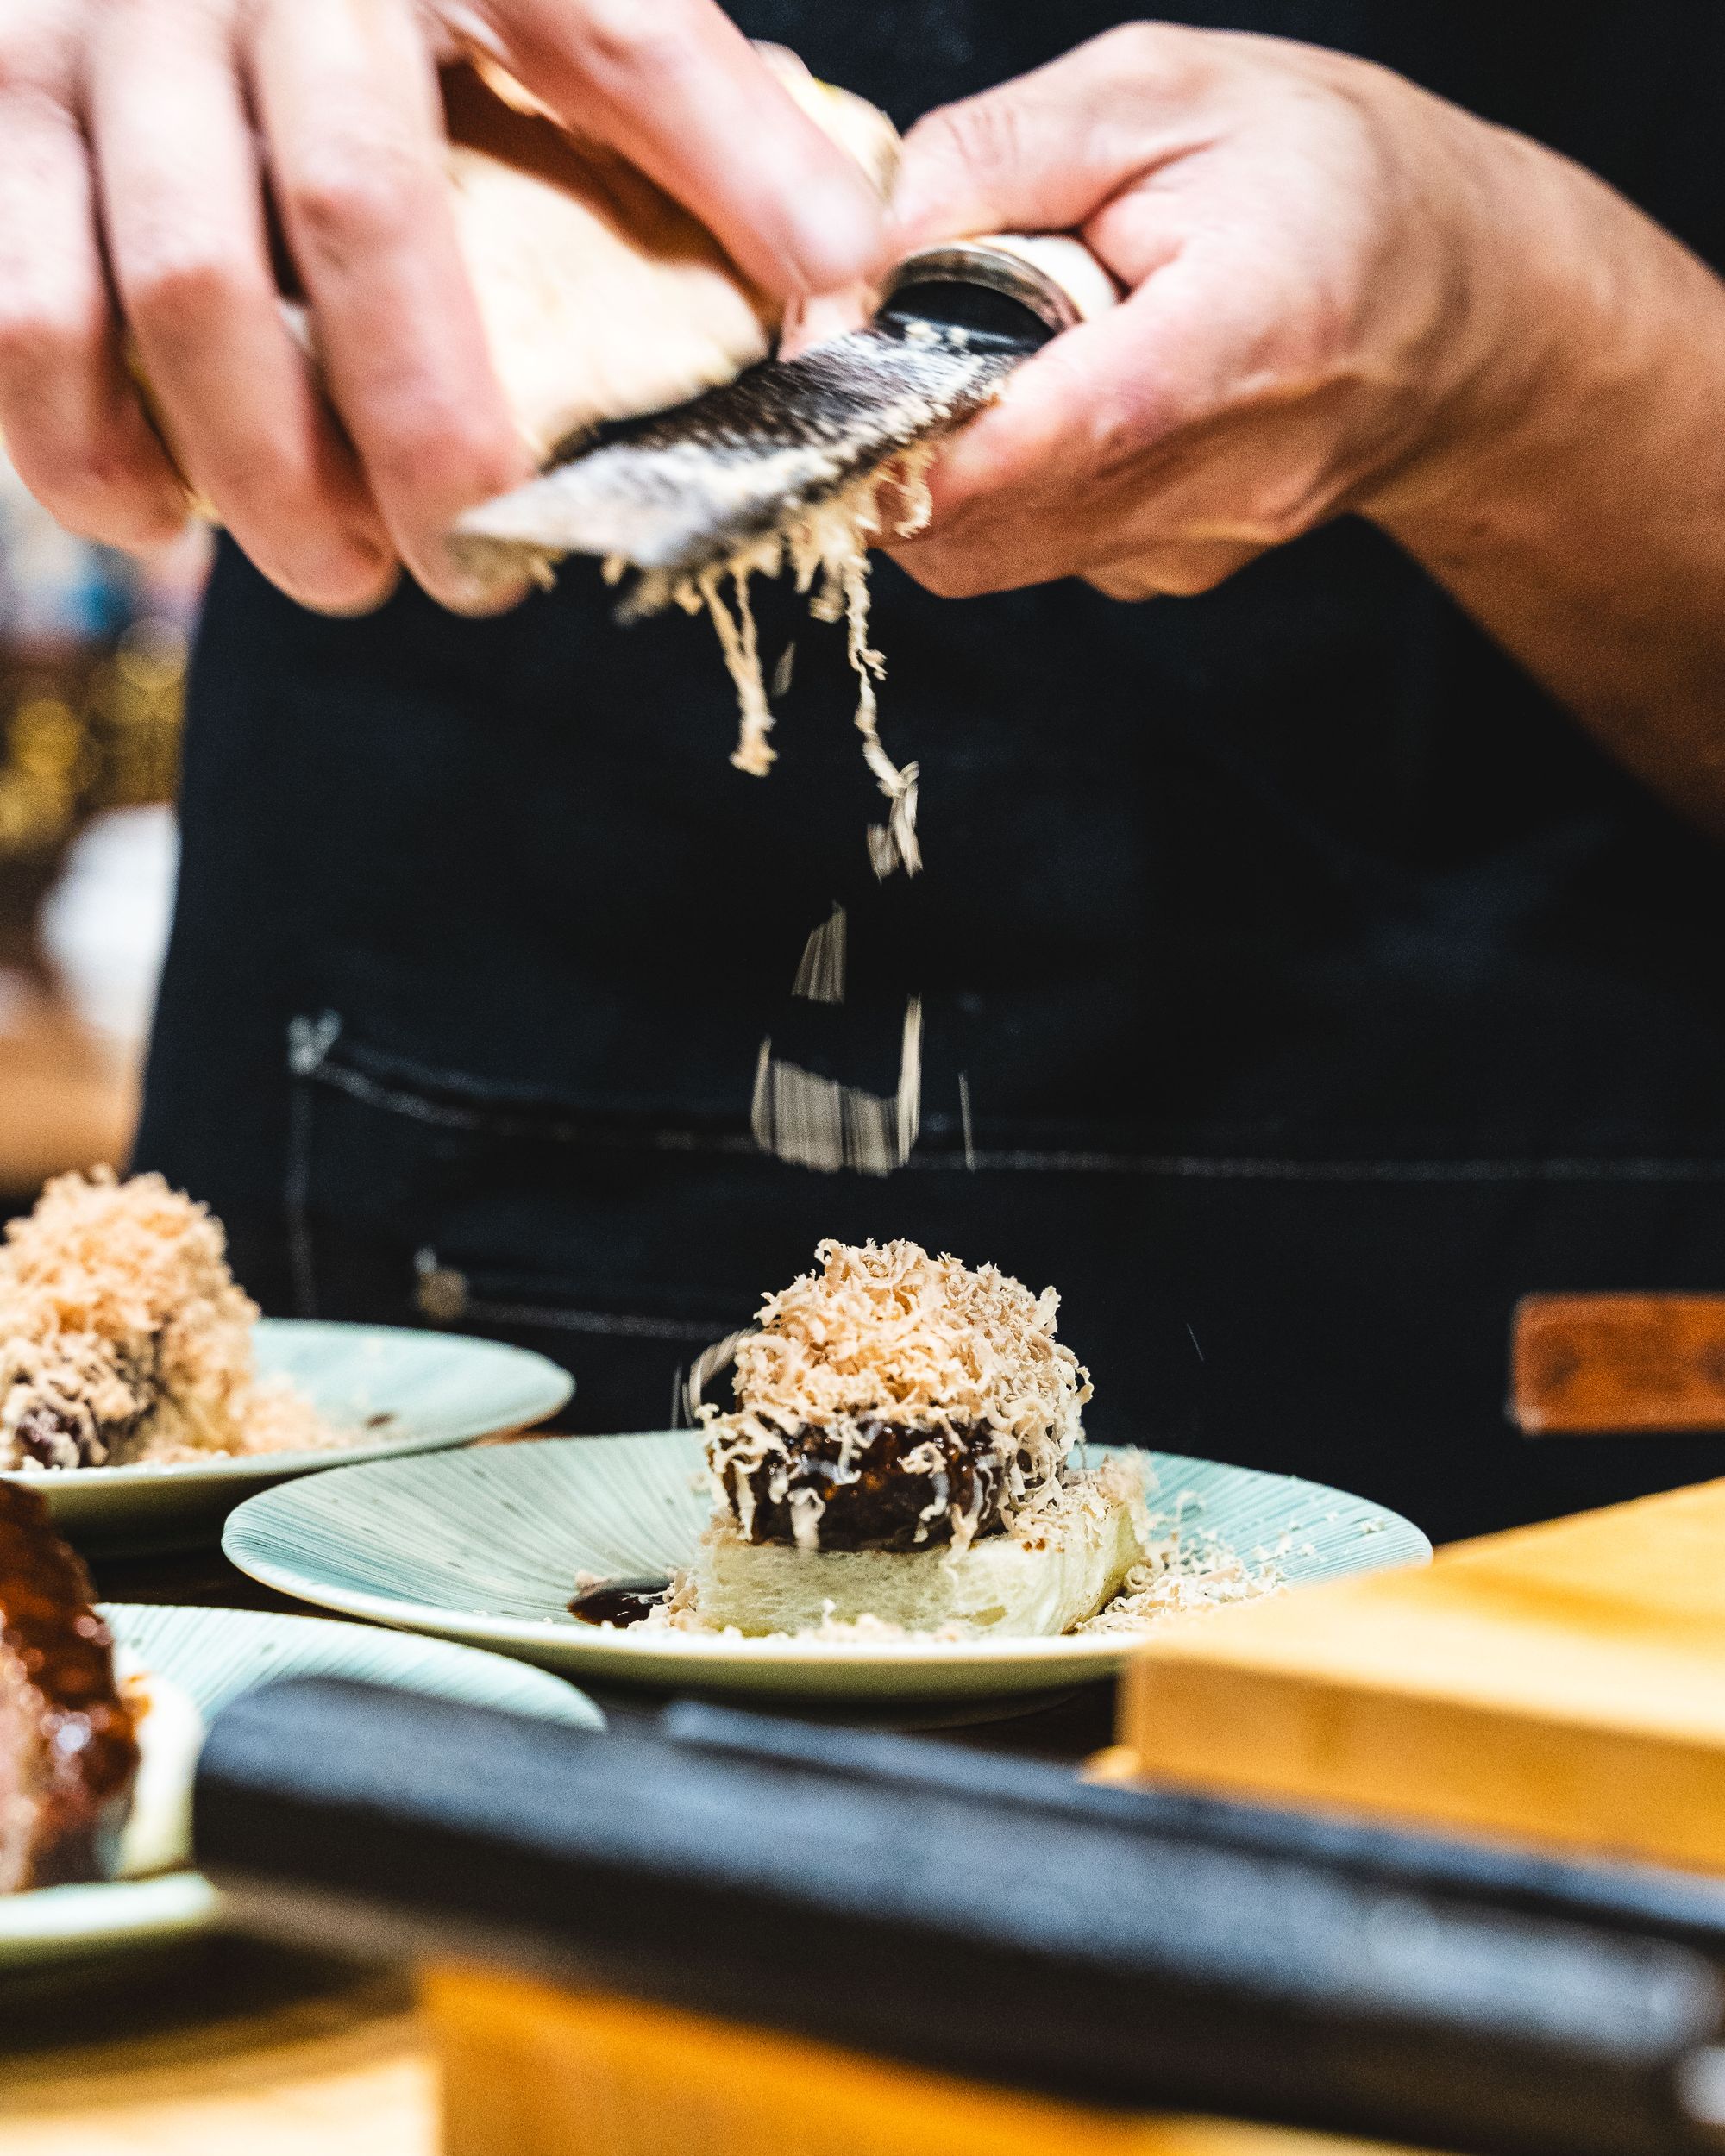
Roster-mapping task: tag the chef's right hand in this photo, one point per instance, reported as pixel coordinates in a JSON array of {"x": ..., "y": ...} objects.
[{"x": 139, "y": 143}]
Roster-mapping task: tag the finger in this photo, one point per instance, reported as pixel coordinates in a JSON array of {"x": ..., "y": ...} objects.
[
  {"x": 676, "y": 87},
  {"x": 347, "y": 98},
  {"x": 186, "y": 236},
  {"x": 1045, "y": 152},
  {"x": 1129, "y": 582},
  {"x": 1172, "y": 572},
  {"x": 71, "y": 421}
]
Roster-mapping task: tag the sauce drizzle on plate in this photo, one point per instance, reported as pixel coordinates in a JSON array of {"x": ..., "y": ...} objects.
[{"x": 618, "y": 1601}]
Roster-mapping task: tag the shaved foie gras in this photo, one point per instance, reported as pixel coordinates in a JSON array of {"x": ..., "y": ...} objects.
[
  {"x": 601, "y": 296},
  {"x": 885, "y": 1353},
  {"x": 68, "y": 1742},
  {"x": 898, "y": 1457}
]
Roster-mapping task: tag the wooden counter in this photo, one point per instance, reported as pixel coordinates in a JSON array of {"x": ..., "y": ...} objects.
[
  {"x": 224, "y": 2050},
  {"x": 65, "y": 1100},
  {"x": 240, "y": 2052}
]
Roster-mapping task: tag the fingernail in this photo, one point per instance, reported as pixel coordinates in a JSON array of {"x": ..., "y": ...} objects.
[
  {"x": 353, "y": 582},
  {"x": 475, "y": 590},
  {"x": 388, "y": 576}
]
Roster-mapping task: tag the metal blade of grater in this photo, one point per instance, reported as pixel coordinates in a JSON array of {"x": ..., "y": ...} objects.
[{"x": 688, "y": 487}]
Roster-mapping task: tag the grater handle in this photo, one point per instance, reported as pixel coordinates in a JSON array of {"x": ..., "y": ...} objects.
[{"x": 1053, "y": 274}]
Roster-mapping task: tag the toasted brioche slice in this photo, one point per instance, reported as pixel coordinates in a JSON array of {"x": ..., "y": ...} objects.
[{"x": 1036, "y": 1582}]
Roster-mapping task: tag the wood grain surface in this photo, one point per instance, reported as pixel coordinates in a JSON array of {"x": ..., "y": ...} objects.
[
  {"x": 224, "y": 2049},
  {"x": 532, "y": 2071}
]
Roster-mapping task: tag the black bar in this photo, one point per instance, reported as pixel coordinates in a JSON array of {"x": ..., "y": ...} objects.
[
  {"x": 1007, "y": 1932},
  {"x": 1645, "y": 1900}
]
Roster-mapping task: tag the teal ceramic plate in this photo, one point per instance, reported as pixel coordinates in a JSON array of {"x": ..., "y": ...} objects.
[
  {"x": 215, "y": 1655},
  {"x": 485, "y": 1547},
  {"x": 419, "y": 1391}
]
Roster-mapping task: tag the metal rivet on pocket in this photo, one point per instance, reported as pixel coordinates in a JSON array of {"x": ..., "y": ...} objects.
[{"x": 441, "y": 1292}]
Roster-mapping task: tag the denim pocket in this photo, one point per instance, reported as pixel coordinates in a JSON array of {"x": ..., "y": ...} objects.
[{"x": 422, "y": 1196}]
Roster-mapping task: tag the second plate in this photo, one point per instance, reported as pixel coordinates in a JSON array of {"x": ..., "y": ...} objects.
[{"x": 401, "y": 1391}]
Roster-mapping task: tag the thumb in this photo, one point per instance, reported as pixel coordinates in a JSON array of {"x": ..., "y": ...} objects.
[
  {"x": 1047, "y": 152},
  {"x": 1099, "y": 439}
]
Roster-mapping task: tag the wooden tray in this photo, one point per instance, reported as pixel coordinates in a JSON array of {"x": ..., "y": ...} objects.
[{"x": 1564, "y": 1683}]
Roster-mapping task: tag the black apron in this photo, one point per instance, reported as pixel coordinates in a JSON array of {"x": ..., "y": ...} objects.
[{"x": 1317, "y": 987}]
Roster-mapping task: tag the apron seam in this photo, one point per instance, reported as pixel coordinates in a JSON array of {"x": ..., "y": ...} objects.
[{"x": 311, "y": 1059}]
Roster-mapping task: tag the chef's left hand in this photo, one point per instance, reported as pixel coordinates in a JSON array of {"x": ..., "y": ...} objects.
[{"x": 1329, "y": 286}]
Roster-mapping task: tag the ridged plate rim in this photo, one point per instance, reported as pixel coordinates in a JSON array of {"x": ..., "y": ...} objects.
[{"x": 549, "y": 1389}]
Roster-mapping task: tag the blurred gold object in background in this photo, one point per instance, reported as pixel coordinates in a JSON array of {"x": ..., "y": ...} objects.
[
  {"x": 92, "y": 670},
  {"x": 84, "y": 729}
]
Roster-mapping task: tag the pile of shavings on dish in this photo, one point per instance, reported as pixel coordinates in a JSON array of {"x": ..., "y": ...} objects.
[
  {"x": 1187, "y": 1569},
  {"x": 124, "y": 1338},
  {"x": 890, "y": 1330}
]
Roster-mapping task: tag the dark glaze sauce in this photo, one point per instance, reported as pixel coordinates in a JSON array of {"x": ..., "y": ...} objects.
[
  {"x": 52, "y": 1438},
  {"x": 618, "y": 1601},
  {"x": 66, "y": 1654},
  {"x": 872, "y": 1501}
]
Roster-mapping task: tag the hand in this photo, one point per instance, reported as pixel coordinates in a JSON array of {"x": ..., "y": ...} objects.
[
  {"x": 144, "y": 145},
  {"x": 1327, "y": 296}
]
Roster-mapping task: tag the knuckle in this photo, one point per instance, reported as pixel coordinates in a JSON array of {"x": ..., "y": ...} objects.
[
  {"x": 441, "y": 457},
  {"x": 1190, "y": 571},
  {"x": 983, "y": 133},
  {"x": 1129, "y": 585},
  {"x": 1176, "y": 58},
  {"x": 353, "y": 195},
  {"x": 35, "y": 52},
  {"x": 1184, "y": 578},
  {"x": 1283, "y": 511},
  {"x": 943, "y": 571},
  {"x": 173, "y": 294},
  {"x": 1315, "y": 335},
  {"x": 624, "y": 36}
]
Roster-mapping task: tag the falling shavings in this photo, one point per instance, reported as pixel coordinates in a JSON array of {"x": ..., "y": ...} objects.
[
  {"x": 814, "y": 1122},
  {"x": 820, "y": 977},
  {"x": 825, "y": 547},
  {"x": 702, "y": 1371}
]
